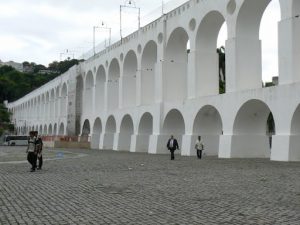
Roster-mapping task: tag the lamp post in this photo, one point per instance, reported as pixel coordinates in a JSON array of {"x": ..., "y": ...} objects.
[
  {"x": 132, "y": 5},
  {"x": 94, "y": 35}
]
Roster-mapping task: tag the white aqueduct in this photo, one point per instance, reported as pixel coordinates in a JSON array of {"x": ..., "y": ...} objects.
[{"x": 138, "y": 91}]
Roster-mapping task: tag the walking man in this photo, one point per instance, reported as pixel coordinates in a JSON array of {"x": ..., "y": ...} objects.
[{"x": 172, "y": 145}]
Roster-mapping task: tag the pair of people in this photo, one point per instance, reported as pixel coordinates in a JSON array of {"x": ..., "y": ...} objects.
[
  {"x": 172, "y": 145},
  {"x": 34, "y": 151}
]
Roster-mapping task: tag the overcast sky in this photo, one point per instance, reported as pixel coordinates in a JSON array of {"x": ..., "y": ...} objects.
[{"x": 42, "y": 31}]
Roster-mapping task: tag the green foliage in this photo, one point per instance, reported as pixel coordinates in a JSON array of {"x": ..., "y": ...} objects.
[
  {"x": 5, "y": 123},
  {"x": 15, "y": 84},
  {"x": 222, "y": 69}
]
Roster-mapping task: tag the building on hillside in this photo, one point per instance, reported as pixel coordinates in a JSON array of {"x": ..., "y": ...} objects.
[{"x": 17, "y": 66}]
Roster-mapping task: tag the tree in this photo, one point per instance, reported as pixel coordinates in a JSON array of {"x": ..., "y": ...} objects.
[
  {"x": 222, "y": 69},
  {"x": 5, "y": 124}
]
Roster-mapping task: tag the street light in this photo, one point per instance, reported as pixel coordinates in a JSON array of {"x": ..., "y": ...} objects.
[
  {"x": 129, "y": 4},
  {"x": 94, "y": 34}
]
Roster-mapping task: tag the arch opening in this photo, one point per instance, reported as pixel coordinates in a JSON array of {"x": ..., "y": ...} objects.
[
  {"x": 174, "y": 125},
  {"x": 63, "y": 106},
  {"x": 61, "y": 131},
  {"x": 126, "y": 130},
  {"x": 85, "y": 131},
  {"x": 113, "y": 85},
  {"x": 145, "y": 129},
  {"x": 110, "y": 130},
  {"x": 100, "y": 89},
  {"x": 210, "y": 60},
  {"x": 148, "y": 70},
  {"x": 248, "y": 45},
  {"x": 45, "y": 130},
  {"x": 55, "y": 129},
  {"x": 50, "y": 129},
  {"x": 208, "y": 125},
  {"x": 250, "y": 131},
  {"x": 129, "y": 79},
  {"x": 79, "y": 98},
  {"x": 175, "y": 66},
  {"x": 88, "y": 95},
  {"x": 97, "y": 130}
]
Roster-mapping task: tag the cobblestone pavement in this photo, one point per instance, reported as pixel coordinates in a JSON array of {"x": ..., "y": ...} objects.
[{"x": 107, "y": 187}]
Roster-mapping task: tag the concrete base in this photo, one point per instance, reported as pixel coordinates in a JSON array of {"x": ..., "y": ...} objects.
[
  {"x": 95, "y": 141},
  {"x": 139, "y": 143},
  {"x": 286, "y": 148},
  {"x": 244, "y": 146},
  {"x": 122, "y": 142},
  {"x": 107, "y": 141},
  {"x": 250, "y": 146}
]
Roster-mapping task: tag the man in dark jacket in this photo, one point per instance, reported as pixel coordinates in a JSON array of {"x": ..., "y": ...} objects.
[{"x": 172, "y": 145}]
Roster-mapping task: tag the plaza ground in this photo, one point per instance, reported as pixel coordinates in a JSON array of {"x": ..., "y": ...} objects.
[{"x": 109, "y": 187}]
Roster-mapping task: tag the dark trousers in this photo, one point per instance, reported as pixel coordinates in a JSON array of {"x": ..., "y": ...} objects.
[
  {"x": 172, "y": 154},
  {"x": 31, "y": 157},
  {"x": 199, "y": 154},
  {"x": 40, "y": 159}
]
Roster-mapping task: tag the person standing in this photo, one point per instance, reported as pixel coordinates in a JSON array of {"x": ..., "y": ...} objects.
[
  {"x": 199, "y": 147},
  {"x": 39, "y": 147},
  {"x": 172, "y": 145},
  {"x": 31, "y": 151}
]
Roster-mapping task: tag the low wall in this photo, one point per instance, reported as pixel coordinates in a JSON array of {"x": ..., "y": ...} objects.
[{"x": 66, "y": 144}]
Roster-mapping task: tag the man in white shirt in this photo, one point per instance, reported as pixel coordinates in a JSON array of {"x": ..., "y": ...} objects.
[{"x": 199, "y": 147}]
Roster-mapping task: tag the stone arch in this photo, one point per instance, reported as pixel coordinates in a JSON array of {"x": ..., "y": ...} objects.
[
  {"x": 52, "y": 102},
  {"x": 113, "y": 85},
  {"x": 88, "y": 92},
  {"x": 50, "y": 132},
  {"x": 86, "y": 128},
  {"x": 47, "y": 105},
  {"x": 175, "y": 66},
  {"x": 61, "y": 130},
  {"x": 41, "y": 129},
  {"x": 126, "y": 130},
  {"x": 208, "y": 124},
  {"x": 97, "y": 130},
  {"x": 174, "y": 125},
  {"x": 207, "y": 58},
  {"x": 148, "y": 69},
  {"x": 63, "y": 105},
  {"x": 56, "y": 101},
  {"x": 45, "y": 132},
  {"x": 79, "y": 100},
  {"x": 250, "y": 137},
  {"x": 145, "y": 129},
  {"x": 55, "y": 129},
  {"x": 100, "y": 88},
  {"x": 110, "y": 130},
  {"x": 247, "y": 44},
  {"x": 129, "y": 79}
]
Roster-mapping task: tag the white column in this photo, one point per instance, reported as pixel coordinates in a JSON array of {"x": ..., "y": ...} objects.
[
  {"x": 243, "y": 64},
  {"x": 289, "y": 50}
]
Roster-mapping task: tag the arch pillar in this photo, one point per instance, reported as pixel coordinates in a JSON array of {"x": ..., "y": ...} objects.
[
  {"x": 191, "y": 74},
  {"x": 289, "y": 50},
  {"x": 241, "y": 76}
]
